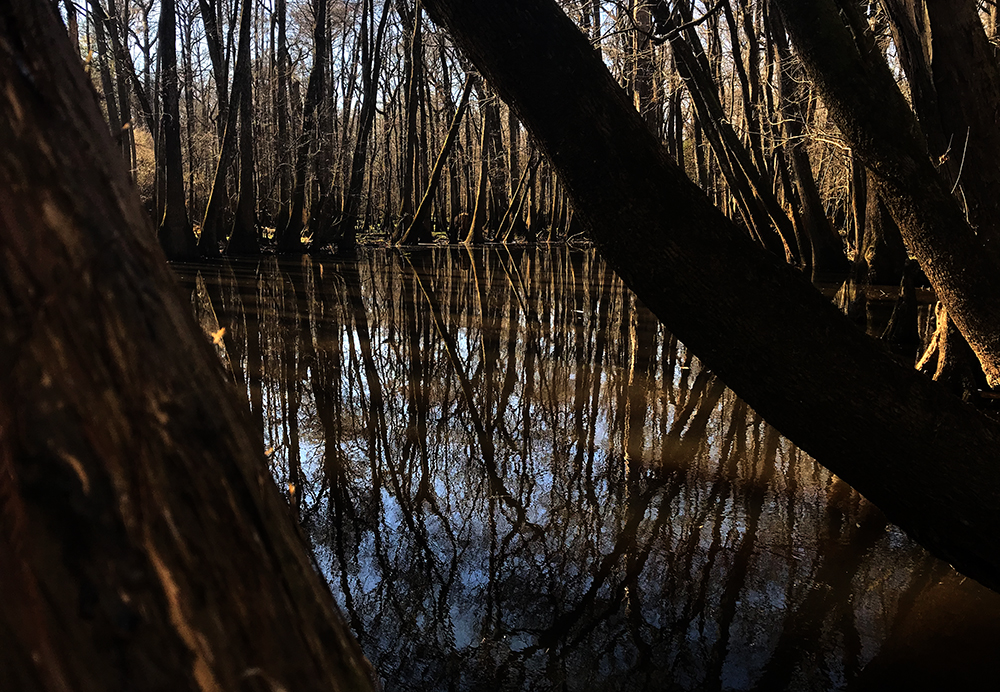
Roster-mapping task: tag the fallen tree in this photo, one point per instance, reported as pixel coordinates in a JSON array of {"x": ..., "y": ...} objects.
[
  {"x": 925, "y": 458},
  {"x": 142, "y": 541}
]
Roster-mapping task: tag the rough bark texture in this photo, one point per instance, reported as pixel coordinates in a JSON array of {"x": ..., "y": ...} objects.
[
  {"x": 143, "y": 543},
  {"x": 955, "y": 85},
  {"x": 866, "y": 105},
  {"x": 927, "y": 459}
]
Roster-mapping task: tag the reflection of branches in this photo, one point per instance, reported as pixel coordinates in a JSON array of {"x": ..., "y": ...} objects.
[
  {"x": 709, "y": 554},
  {"x": 486, "y": 446}
]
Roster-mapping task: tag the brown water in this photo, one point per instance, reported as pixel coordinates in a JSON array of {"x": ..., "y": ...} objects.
[{"x": 514, "y": 478}]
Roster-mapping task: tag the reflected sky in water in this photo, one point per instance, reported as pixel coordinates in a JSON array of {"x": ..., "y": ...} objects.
[{"x": 514, "y": 478}]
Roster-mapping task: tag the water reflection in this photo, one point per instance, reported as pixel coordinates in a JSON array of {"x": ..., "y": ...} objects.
[{"x": 513, "y": 476}]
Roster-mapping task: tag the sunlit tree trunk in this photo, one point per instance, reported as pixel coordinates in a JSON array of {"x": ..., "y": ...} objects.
[
  {"x": 758, "y": 206},
  {"x": 643, "y": 67},
  {"x": 827, "y": 250}
]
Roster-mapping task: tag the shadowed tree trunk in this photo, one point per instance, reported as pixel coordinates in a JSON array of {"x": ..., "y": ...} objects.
[
  {"x": 732, "y": 302},
  {"x": 243, "y": 239},
  {"x": 419, "y": 229},
  {"x": 289, "y": 238},
  {"x": 371, "y": 68},
  {"x": 414, "y": 75},
  {"x": 955, "y": 84},
  {"x": 220, "y": 69},
  {"x": 218, "y": 199},
  {"x": 284, "y": 69},
  {"x": 175, "y": 233},
  {"x": 144, "y": 544}
]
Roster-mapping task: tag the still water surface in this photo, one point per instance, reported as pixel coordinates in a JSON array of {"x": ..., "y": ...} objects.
[{"x": 515, "y": 479}]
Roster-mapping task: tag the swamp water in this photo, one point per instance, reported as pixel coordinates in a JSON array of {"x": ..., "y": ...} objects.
[{"x": 514, "y": 478}]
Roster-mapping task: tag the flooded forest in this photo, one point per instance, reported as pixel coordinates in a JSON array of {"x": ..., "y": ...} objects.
[{"x": 522, "y": 345}]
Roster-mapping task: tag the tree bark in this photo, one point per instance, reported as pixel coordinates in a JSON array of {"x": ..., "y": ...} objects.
[
  {"x": 924, "y": 457},
  {"x": 143, "y": 542},
  {"x": 419, "y": 229},
  {"x": 289, "y": 238},
  {"x": 866, "y": 105},
  {"x": 243, "y": 239},
  {"x": 175, "y": 233},
  {"x": 955, "y": 83}
]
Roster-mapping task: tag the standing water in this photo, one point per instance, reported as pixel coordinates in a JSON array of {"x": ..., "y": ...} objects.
[{"x": 514, "y": 478}]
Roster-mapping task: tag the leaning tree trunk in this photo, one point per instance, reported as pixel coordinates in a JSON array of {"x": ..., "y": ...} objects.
[
  {"x": 827, "y": 249},
  {"x": 865, "y": 103},
  {"x": 143, "y": 543},
  {"x": 955, "y": 86},
  {"x": 751, "y": 318},
  {"x": 419, "y": 230}
]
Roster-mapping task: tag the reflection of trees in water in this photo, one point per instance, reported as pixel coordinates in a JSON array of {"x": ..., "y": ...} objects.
[{"x": 513, "y": 475}]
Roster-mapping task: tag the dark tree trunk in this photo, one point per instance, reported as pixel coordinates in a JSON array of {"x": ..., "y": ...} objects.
[
  {"x": 104, "y": 67},
  {"x": 118, "y": 33},
  {"x": 882, "y": 250},
  {"x": 414, "y": 75},
  {"x": 866, "y": 105},
  {"x": 289, "y": 238},
  {"x": 770, "y": 336},
  {"x": 218, "y": 199},
  {"x": 175, "y": 233},
  {"x": 955, "y": 83},
  {"x": 243, "y": 239},
  {"x": 492, "y": 151},
  {"x": 284, "y": 68},
  {"x": 371, "y": 68},
  {"x": 419, "y": 229},
  {"x": 216, "y": 53},
  {"x": 143, "y": 543}
]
